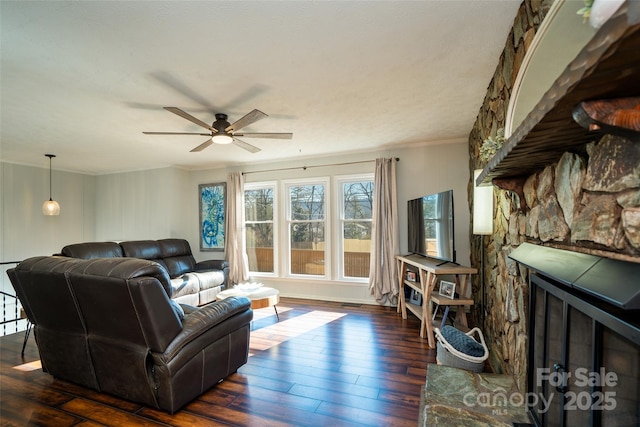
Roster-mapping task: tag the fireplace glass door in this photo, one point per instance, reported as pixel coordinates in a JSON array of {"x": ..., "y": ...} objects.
[{"x": 584, "y": 359}]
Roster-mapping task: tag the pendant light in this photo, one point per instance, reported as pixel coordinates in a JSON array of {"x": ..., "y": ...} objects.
[{"x": 50, "y": 207}]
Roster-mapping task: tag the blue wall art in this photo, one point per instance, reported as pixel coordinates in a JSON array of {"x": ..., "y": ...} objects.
[{"x": 212, "y": 215}]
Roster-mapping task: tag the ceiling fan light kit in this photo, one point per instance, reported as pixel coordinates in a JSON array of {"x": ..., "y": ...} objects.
[
  {"x": 222, "y": 138},
  {"x": 221, "y": 132}
]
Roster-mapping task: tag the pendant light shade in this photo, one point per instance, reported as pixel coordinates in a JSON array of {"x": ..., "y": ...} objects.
[{"x": 50, "y": 207}]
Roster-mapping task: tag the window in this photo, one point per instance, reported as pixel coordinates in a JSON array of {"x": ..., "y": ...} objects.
[
  {"x": 306, "y": 220},
  {"x": 316, "y": 228},
  {"x": 259, "y": 210},
  {"x": 356, "y": 196}
]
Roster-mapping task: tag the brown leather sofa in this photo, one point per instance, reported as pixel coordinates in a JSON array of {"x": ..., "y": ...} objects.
[
  {"x": 193, "y": 283},
  {"x": 110, "y": 325}
]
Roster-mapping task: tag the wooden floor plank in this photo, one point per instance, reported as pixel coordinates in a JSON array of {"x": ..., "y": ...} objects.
[
  {"x": 369, "y": 418},
  {"x": 17, "y": 411},
  {"x": 322, "y": 363},
  {"x": 106, "y": 415}
]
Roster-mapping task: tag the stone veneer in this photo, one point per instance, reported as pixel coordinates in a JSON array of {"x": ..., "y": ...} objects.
[
  {"x": 587, "y": 201},
  {"x": 505, "y": 327}
]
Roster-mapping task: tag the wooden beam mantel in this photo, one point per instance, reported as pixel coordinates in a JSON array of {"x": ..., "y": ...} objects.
[
  {"x": 620, "y": 116},
  {"x": 608, "y": 67}
]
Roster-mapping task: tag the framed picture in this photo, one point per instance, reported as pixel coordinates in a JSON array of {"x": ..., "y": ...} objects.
[
  {"x": 411, "y": 276},
  {"x": 447, "y": 289},
  {"x": 212, "y": 215},
  {"x": 415, "y": 298}
]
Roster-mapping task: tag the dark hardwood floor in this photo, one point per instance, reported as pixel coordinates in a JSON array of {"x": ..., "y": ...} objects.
[{"x": 322, "y": 364}]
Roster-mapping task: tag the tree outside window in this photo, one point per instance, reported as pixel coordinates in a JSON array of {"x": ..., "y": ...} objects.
[
  {"x": 307, "y": 229},
  {"x": 356, "y": 218},
  {"x": 259, "y": 223}
]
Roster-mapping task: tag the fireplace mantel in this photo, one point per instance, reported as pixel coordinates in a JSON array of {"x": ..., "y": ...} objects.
[{"x": 607, "y": 67}]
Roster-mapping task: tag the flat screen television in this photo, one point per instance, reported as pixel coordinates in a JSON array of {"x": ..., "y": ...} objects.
[{"x": 430, "y": 226}]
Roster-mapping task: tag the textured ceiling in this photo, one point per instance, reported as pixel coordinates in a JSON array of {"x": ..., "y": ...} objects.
[{"x": 83, "y": 80}]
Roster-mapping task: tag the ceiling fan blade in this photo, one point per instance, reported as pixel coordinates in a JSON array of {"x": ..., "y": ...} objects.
[
  {"x": 266, "y": 135},
  {"x": 175, "y": 133},
  {"x": 185, "y": 115},
  {"x": 202, "y": 146},
  {"x": 249, "y": 118},
  {"x": 248, "y": 147}
]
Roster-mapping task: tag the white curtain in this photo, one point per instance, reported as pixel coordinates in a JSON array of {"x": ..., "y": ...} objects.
[
  {"x": 383, "y": 274},
  {"x": 234, "y": 249}
]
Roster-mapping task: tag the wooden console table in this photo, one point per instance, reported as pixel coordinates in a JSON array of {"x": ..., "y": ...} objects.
[{"x": 428, "y": 270}]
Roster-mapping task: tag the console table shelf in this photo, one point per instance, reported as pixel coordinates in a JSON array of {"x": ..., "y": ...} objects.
[{"x": 428, "y": 271}]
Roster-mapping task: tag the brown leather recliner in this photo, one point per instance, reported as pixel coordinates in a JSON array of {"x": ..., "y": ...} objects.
[{"x": 109, "y": 324}]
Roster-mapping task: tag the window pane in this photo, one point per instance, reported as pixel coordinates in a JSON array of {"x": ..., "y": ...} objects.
[
  {"x": 260, "y": 247},
  {"x": 307, "y": 202},
  {"x": 259, "y": 227},
  {"x": 357, "y": 248},
  {"x": 258, "y": 204},
  {"x": 357, "y": 209},
  {"x": 307, "y": 248},
  {"x": 358, "y": 200}
]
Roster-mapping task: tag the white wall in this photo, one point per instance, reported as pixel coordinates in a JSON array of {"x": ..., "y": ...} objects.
[
  {"x": 140, "y": 205},
  {"x": 163, "y": 203},
  {"x": 431, "y": 169},
  {"x": 25, "y": 232}
]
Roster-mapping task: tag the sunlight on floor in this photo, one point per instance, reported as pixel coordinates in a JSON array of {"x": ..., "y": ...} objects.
[
  {"x": 270, "y": 336},
  {"x": 262, "y": 313},
  {"x": 31, "y": 366}
]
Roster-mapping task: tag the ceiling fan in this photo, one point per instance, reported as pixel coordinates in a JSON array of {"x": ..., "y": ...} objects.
[{"x": 222, "y": 132}]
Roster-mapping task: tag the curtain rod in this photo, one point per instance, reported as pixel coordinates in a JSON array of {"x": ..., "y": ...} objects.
[{"x": 397, "y": 159}]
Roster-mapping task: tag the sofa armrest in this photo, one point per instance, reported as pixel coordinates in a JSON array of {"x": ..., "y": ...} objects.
[
  {"x": 203, "y": 320},
  {"x": 212, "y": 264}
]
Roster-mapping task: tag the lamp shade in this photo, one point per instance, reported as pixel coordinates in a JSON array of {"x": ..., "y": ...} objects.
[
  {"x": 482, "y": 207},
  {"x": 50, "y": 208}
]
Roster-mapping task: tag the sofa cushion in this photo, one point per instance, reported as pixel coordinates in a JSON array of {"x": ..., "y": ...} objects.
[
  {"x": 178, "y": 265},
  {"x": 190, "y": 299},
  {"x": 184, "y": 285},
  {"x": 177, "y": 256},
  {"x": 209, "y": 279},
  {"x": 205, "y": 296},
  {"x": 174, "y": 247},
  {"x": 128, "y": 268},
  {"x": 92, "y": 250},
  {"x": 145, "y": 249}
]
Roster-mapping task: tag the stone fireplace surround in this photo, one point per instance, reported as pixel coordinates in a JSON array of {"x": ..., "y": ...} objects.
[{"x": 587, "y": 201}]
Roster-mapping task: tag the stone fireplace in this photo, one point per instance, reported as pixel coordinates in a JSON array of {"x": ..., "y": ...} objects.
[
  {"x": 588, "y": 203},
  {"x": 585, "y": 200}
]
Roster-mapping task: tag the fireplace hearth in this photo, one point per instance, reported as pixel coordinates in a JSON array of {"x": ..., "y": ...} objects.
[{"x": 583, "y": 364}]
